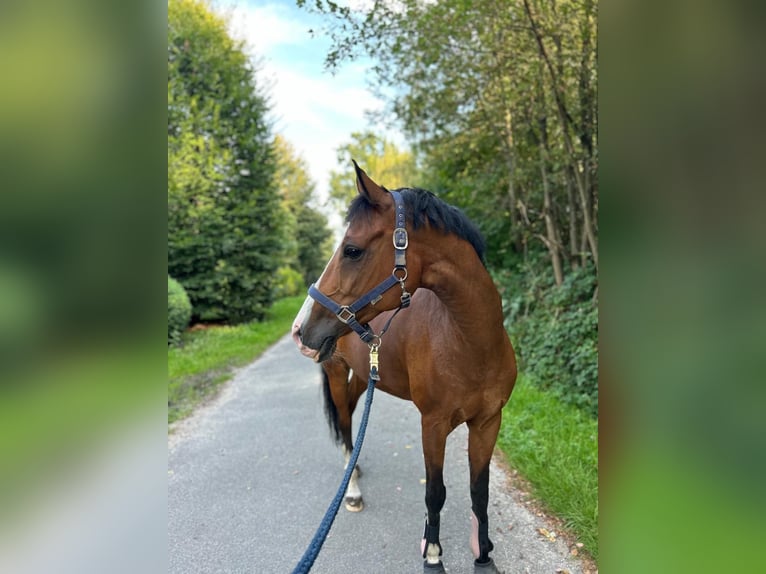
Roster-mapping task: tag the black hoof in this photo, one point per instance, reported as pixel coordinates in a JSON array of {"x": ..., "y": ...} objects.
[
  {"x": 487, "y": 567},
  {"x": 437, "y": 568}
]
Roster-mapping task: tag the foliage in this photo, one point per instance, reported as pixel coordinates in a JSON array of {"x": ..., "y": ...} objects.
[
  {"x": 393, "y": 168},
  {"x": 500, "y": 100},
  {"x": 555, "y": 331},
  {"x": 225, "y": 223},
  {"x": 308, "y": 244},
  {"x": 208, "y": 356},
  {"x": 179, "y": 310},
  {"x": 555, "y": 447},
  {"x": 289, "y": 283}
]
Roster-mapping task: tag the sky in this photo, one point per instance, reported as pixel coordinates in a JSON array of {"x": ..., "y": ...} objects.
[{"x": 314, "y": 110}]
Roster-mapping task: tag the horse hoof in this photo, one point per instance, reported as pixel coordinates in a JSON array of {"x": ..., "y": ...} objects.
[
  {"x": 437, "y": 568},
  {"x": 354, "y": 504},
  {"x": 485, "y": 567}
]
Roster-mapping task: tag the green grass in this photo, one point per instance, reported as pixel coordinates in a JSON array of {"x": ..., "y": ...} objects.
[
  {"x": 206, "y": 358},
  {"x": 555, "y": 447}
]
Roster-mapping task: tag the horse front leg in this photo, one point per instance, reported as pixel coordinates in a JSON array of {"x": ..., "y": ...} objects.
[
  {"x": 434, "y": 436},
  {"x": 482, "y": 436},
  {"x": 353, "y": 499},
  {"x": 341, "y": 395}
]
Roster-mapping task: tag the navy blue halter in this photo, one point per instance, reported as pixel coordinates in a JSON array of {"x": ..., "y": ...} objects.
[{"x": 346, "y": 314}]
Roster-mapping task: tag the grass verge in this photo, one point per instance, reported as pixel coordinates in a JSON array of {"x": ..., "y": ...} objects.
[
  {"x": 207, "y": 357},
  {"x": 555, "y": 447}
]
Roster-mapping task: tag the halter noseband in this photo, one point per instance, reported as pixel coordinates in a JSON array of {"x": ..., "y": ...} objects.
[{"x": 346, "y": 314}]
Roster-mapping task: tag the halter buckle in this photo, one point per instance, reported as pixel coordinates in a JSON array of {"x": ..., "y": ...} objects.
[
  {"x": 345, "y": 315},
  {"x": 401, "y": 239}
]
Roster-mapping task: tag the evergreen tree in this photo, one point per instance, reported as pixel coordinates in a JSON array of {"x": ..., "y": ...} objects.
[{"x": 225, "y": 222}]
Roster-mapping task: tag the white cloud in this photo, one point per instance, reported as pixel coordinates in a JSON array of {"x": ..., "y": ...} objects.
[
  {"x": 265, "y": 27},
  {"x": 317, "y": 114},
  {"x": 315, "y": 111}
]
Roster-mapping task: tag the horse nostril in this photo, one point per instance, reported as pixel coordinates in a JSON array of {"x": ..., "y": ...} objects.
[{"x": 297, "y": 334}]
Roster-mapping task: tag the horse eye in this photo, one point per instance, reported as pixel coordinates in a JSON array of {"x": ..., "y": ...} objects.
[{"x": 353, "y": 253}]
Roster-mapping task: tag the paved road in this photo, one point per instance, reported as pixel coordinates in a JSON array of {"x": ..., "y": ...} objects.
[{"x": 250, "y": 477}]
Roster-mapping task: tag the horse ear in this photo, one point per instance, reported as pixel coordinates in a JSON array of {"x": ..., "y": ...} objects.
[{"x": 374, "y": 193}]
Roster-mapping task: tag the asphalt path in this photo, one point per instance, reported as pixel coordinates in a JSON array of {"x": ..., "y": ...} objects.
[{"x": 251, "y": 474}]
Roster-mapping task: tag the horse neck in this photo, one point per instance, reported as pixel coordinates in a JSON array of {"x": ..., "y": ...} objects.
[{"x": 453, "y": 271}]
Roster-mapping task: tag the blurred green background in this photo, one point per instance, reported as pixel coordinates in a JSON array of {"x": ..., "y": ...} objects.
[
  {"x": 682, "y": 314},
  {"x": 82, "y": 270}
]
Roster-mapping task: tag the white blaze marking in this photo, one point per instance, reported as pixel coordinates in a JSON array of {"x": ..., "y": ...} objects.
[
  {"x": 303, "y": 314},
  {"x": 300, "y": 321}
]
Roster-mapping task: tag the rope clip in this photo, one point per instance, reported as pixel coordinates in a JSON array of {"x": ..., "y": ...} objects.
[{"x": 374, "y": 374}]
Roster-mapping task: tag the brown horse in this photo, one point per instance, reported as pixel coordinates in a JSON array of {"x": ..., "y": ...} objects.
[{"x": 448, "y": 352}]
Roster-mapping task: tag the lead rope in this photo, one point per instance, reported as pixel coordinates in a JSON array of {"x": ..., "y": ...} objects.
[
  {"x": 311, "y": 553},
  {"x": 314, "y": 547},
  {"x": 347, "y": 315}
]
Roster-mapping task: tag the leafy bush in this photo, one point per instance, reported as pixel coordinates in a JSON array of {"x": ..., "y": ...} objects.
[
  {"x": 179, "y": 310},
  {"x": 289, "y": 283},
  {"x": 555, "y": 331}
]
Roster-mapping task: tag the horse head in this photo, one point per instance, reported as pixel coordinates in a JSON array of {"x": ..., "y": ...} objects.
[{"x": 362, "y": 277}]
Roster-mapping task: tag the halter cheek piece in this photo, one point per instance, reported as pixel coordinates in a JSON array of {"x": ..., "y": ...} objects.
[{"x": 346, "y": 314}]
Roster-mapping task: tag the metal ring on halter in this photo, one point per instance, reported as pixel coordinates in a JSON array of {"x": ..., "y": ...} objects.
[
  {"x": 375, "y": 342},
  {"x": 400, "y": 279}
]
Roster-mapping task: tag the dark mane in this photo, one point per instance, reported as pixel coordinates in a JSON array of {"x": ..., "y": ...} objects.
[{"x": 424, "y": 207}]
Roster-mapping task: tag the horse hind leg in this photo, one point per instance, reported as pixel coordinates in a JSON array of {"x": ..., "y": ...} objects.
[
  {"x": 341, "y": 395},
  {"x": 481, "y": 442}
]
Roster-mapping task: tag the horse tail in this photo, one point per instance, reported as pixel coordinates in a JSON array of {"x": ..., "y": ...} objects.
[{"x": 330, "y": 410}]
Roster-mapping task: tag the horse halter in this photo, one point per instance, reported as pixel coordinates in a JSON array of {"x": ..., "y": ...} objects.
[{"x": 346, "y": 314}]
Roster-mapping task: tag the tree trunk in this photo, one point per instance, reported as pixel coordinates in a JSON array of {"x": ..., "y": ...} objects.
[
  {"x": 550, "y": 230},
  {"x": 565, "y": 119},
  {"x": 574, "y": 248},
  {"x": 512, "y": 196},
  {"x": 551, "y": 238}
]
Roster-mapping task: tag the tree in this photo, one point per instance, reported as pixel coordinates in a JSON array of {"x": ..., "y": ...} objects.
[
  {"x": 498, "y": 99},
  {"x": 225, "y": 222},
  {"x": 309, "y": 237},
  {"x": 393, "y": 167}
]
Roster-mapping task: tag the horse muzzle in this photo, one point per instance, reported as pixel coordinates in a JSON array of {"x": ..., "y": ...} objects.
[
  {"x": 315, "y": 343},
  {"x": 305, "y": 351},
  {"x": 324, "y": 350}
]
